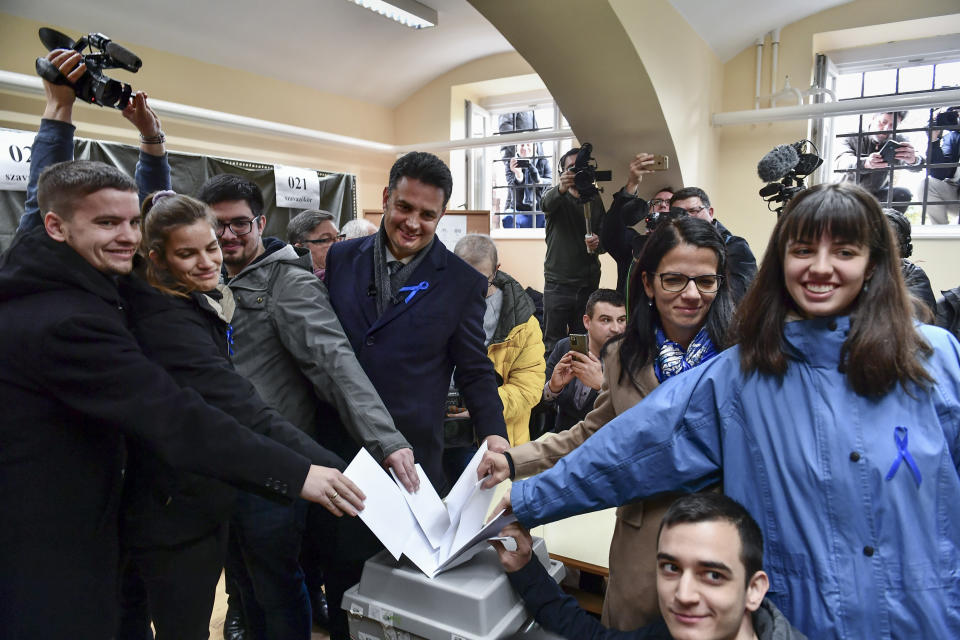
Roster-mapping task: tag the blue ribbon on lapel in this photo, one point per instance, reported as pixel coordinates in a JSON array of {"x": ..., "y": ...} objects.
[
  {"x": 230, "y": 339},
  {"x": 423, "y": 286},
  {"x": 903, "y": 455}
]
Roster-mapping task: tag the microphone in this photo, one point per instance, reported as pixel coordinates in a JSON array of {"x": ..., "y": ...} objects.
[
  {"x": 124, "y": 57},
  {"x": 777, "y": 163},
  {"x": 121, "y": 55}
]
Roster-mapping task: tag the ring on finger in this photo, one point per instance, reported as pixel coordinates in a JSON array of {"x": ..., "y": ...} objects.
[{"x": 334, "y": 496}]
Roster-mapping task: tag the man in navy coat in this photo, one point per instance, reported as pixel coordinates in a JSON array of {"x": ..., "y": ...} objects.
[{"x": 413, "y": 312}]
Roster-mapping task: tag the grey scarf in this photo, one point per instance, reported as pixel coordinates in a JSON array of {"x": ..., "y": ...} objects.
[{"x": 388, "y": 286}]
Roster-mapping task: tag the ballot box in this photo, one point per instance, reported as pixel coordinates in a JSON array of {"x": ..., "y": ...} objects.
[{"x": 474, "y": 601}]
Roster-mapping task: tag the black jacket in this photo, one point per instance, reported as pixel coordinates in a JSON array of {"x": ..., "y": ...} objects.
[
  {"x": 741, "y": 265},
  {"x": 618, "y": 236},
  {"x": 188, "y": 338},
  {"x": 72, "y": 383},
  {"x": 918, "y": 285},
  {"x": 948, "y": 311}
]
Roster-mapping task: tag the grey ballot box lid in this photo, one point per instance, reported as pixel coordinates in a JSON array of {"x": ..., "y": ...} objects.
[{"x": 396, "y": 601}]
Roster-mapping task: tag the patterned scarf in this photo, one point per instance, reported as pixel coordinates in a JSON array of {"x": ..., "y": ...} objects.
[
  {"x": 387, "y": 284},
  {"x": 672, "y": 359}
]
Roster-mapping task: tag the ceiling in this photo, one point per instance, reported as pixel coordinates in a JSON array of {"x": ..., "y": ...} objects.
[
  {"x": 729, "y": 26},
  {"x": 338, "y": 47},
  {"x": 330, "y": 45}
]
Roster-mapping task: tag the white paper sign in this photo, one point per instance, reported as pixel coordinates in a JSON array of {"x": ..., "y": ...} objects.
[
  {"x": 450, "y": 229},
  {"x": 297, "y": 188},
  {"x": 15, "y": 150}
]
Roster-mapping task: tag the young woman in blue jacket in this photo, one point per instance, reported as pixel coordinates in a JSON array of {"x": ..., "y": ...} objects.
[
  {"x": 835, "y": 420},
  {"x": 680, "y": 313}
]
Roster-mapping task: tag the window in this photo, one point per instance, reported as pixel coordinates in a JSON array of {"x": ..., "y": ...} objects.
[
  {"x": 922, "y": 144},
  {"x": 510, "y": 180}
]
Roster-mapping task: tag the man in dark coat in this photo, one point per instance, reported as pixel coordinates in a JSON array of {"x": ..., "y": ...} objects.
[
  {"x": 412, "y": 323},
  {"x": 413, "y": 312},
  {"x": 74, "y": 383}
]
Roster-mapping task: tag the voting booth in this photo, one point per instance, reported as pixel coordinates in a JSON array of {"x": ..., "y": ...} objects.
[{"x": 474, "y": 601}]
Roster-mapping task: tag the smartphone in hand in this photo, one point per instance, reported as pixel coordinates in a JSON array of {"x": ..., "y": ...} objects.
[
  {"x": 578, "y": 343},
  {"x": 889, "y": 151}
]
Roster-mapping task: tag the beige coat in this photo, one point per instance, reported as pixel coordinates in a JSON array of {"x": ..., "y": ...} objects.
[{"x": 631, "y": 599}]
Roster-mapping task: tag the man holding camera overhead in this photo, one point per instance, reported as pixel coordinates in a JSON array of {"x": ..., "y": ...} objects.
[{"x": 571, "y": 268}]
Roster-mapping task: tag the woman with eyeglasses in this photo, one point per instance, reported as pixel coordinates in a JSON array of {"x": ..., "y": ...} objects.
[
  {"x": 679, "y": 311},
  {"x": 835, "y": 420},
  {"x": 174, "y": 523}
]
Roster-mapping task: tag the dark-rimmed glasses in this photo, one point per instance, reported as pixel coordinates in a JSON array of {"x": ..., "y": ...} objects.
[
  {"x": 677, "y": 282},
  {"x": 240, "y": 227}
]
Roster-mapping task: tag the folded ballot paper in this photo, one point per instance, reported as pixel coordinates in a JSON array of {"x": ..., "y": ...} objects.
[{"x": 434, "y": 534}]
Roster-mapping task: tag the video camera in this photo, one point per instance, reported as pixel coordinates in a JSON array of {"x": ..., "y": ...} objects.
[
  {"x": 788, "y": 164},
  {"x": 586, "y": 176},
  {"x": 93, "y": 86}
]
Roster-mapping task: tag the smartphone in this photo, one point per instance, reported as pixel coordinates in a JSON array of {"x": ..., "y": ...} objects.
[
  {"x": 660, "y": 163},
  {"x": 523, "y": 162},
  {"x": 578, "y": 343},
  {"x": 889, "y": 151}
]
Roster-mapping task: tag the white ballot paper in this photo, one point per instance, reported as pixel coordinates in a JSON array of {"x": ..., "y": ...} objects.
[
  {"x": 435, "y": 535},
  {"x": 384, "y": 511}
]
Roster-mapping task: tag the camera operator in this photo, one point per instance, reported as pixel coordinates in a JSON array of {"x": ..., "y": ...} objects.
[
  {"x": 863, "y": 153},
  {"x": 942, "y": 181},
  {"x": 571, "y": 269},
  {"x": 623, "y": 234}
]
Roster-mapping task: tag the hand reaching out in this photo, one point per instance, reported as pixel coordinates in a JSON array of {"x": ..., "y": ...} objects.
[
  {"x": 333, "y": 490},
  {"x": 401, "y": 461},
  {"x": 514, "y": 560}
]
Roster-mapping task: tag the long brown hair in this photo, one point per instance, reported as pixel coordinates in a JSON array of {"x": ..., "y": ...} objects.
[
  {"x": 162, "y": 212},
  {"x": 883, "y": 347}
]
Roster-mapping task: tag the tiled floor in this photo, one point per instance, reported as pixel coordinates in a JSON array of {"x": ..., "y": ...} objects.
[{"x": 220, "y": 610}]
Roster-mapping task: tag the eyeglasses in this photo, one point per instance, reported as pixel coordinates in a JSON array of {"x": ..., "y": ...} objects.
[
  {"x": 695, "y": 210},
  {"x": 656, "y": 202},
  {"x": 677, "y": 282},
  {"x": 240, "y": 227},
  {"x": 323, "y": 241}
]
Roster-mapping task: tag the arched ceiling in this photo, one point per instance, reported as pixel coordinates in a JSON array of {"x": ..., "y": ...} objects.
[{"x": 592, "y": 69}]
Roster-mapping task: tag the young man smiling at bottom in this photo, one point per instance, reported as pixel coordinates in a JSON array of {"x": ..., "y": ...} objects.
[{"x": 710, "y": 581}]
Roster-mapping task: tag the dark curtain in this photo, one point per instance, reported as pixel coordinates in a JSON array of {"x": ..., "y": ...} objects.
[{"x": 188, "y": 172}]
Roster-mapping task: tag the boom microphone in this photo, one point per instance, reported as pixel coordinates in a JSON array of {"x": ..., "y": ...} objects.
[{"x": 777, "y": 163}]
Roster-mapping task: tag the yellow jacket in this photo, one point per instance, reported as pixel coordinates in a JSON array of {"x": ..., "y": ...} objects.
[{"x": 519, "y": 361}]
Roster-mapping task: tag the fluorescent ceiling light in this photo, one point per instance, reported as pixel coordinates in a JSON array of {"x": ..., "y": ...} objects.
[{"x": 407, "y": 12}]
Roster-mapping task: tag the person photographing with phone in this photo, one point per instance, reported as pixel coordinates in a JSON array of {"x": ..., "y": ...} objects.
[
  {"x": 574, "y": 372},
  {"x": 874, "y": 154}
]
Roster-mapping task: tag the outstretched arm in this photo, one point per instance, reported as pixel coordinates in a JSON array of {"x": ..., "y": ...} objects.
[
  {"x": 54, "y": 140},
  {"x": 153, "y": 169},
  {"x": 551, "y": 607}
]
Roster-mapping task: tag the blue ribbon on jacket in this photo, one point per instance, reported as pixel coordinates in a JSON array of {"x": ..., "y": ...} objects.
[
  {"x": 903, "y": 455},
  {"x": 230, "y": 339},
  {"x": 414, "y": 290}
]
